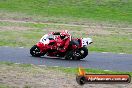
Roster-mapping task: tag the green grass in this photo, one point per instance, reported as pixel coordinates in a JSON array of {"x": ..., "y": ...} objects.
[
  {"x": 100, "y": 10},
  {"x": 25, "y": 71},
  {"x": 62, "y": 69},
  {"x": 119, "y": 41},
  {"x": 66, "y": 11},
  {"x": 88, "y": 71},
  {"x": 3, "y": 86},
  {"x": 112, "y": 43}
]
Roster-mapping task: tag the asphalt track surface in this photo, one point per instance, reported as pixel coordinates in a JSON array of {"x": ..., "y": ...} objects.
[{"x": 105, "y": 61}]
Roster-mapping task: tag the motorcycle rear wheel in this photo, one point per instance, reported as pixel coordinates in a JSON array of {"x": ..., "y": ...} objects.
[
  {"x": 77, "y": 55},
  {"x": 71, "y": 56},
  {"x": 83, "y": 52},
  {"x": 80, "y": 53}
]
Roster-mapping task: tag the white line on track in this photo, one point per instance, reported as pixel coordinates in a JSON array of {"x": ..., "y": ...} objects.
[
  {"x": 20, "y": 47},
  {"x": 55, "y": 66},
  {"x": 17, "y": 63},
  {"x": 121, "y": 53},
  {"x": 42, "y": 65},
  {"x": 104, "y": 52},
  {"x": 106, "y": 70}
]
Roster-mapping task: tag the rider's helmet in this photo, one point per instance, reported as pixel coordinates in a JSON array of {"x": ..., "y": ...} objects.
[{"x": 64, "y": 35}]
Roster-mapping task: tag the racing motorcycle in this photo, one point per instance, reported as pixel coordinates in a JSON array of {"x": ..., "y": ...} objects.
[{"x": 77, "y": 48}]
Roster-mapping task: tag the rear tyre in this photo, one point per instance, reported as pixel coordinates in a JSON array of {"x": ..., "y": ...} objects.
[
  {"x": 80, "y": 53},
  {"x": 83, "y": 52},
  {"x": 72, "y": 55},
  {"x": 35, "y": 51}
]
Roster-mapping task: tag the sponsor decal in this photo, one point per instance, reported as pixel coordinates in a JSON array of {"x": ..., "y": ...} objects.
[{"x": 83, "y": 78}]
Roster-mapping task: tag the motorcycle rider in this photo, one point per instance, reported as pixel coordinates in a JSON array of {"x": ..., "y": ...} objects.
[{"x": 62, "y": 40}]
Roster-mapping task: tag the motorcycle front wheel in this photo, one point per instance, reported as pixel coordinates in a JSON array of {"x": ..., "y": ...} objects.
[{"x": 35, "y": 51}]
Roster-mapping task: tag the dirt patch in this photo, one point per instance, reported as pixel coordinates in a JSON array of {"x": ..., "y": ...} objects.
[
  {"x": 20, "y": 78},
  {"x": 89, "y": 26},
  {"x": 88, "y": 29},
  {"x": 83, "y": 31},
  {"x": 99, "y": 31},
  {"x": 42, "y": 77},
  {"x": 14, "y": 28}
]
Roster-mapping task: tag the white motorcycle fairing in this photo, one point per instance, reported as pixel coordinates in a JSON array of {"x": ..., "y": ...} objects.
[{"x": 86, "y": 41}]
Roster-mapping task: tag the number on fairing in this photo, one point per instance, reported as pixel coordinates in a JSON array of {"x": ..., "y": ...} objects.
[
  {"x": 43, "y": 40},
  {"x": 86, "y": 41}
]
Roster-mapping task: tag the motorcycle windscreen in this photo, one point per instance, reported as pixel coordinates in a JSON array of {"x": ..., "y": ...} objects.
[{"x": 44, "y": 39}]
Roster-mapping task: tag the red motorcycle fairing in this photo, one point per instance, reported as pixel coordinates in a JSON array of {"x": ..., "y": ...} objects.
[
  {"x": 60, "y": 42},
  {"x": 45, "y": 47},
  {"x": 52, "y": 42},
  {"x": 40, "y": 45}
]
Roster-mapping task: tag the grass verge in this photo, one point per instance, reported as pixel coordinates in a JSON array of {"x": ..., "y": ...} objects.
[
  {"x": 27, "y": 34},
  {"x": 3, "y": 86},
  {"x": 27, "y": 76},
  {"x": 69, "y": 10},
  {"x": 72, "y": 71}
]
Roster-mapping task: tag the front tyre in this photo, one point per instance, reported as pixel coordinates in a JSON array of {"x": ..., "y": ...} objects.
[{"x": 35, "y": 51}]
